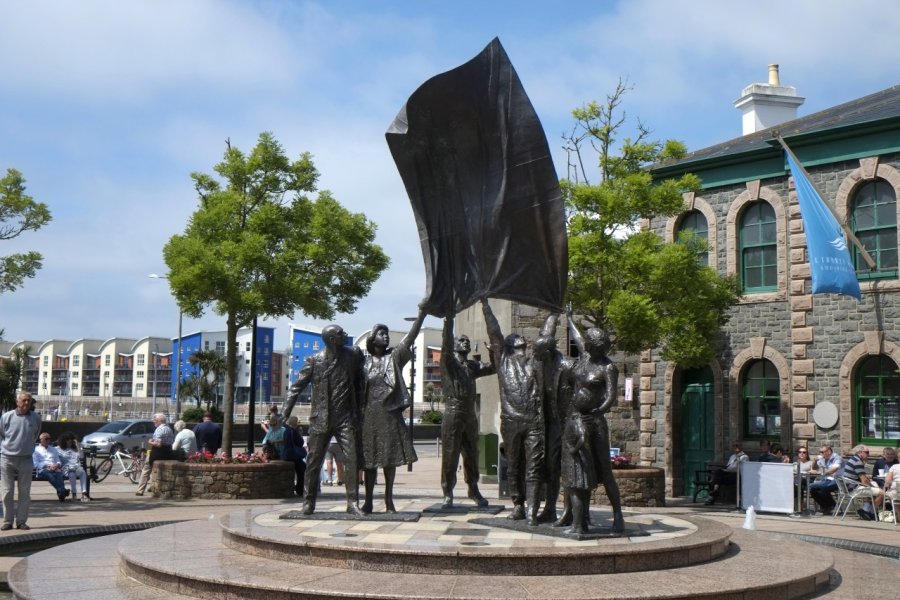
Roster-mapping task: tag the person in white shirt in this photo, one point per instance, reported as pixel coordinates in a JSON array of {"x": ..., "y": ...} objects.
[
  {"x": 185, "y": 442},
  {"x": 728, "y": 474},
  {"x": 48, "y": 465}
]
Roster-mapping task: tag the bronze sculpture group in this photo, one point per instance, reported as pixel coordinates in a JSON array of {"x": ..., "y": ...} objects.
[
  {"x": 491, "y": 217},
  {"x": 552, "y": 417}
]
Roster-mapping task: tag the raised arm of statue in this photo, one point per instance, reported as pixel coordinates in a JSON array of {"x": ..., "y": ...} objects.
[
  {"x": 573, "y": 331},
  {"x": 447, "y": 344},
  {"x": 495, "y": 334},
  {"x": 550, "y": 324},
  {"x": 409, "y": 340}
]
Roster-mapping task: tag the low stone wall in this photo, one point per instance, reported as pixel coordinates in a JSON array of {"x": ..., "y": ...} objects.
[
  {"x": 638, "y": 486},
  {"x": 177, "y": 480}
]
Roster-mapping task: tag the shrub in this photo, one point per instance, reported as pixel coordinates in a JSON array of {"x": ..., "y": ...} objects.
[
  {"x": 433, "y": 416},
  {"x": 194, "y": 414}
]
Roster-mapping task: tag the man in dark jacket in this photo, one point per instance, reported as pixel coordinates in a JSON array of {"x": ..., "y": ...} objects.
[
  {"x": 295, "y": 452},
  {"x": 338, "y": 380},
  {"x": 208, "y": 434}
]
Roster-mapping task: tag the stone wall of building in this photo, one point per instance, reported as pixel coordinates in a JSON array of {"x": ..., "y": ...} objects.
[{"x": 639, "y": 486}]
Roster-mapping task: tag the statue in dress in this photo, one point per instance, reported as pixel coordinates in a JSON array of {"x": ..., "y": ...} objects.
[
  {"x": 386, "y": 439},
  {"x": 586, "y": 461}
]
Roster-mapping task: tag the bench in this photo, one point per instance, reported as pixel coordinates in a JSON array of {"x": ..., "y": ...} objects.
[{"x": 703, "y": 483}]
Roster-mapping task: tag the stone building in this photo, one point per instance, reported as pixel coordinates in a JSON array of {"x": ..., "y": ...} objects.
[{"x": 793, "y": 368}]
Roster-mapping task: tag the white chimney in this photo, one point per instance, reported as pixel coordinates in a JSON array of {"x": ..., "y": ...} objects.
[{"x": 765, "y": 105}]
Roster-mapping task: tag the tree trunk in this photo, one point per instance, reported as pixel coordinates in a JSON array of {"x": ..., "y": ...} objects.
[{"x": 230, "y": 379}]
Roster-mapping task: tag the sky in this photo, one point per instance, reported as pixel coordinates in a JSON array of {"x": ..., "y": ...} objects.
[{"x": 107, "y": 107}]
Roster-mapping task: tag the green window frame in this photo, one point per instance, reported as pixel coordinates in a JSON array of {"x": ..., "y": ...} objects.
[
  {"x": 877, "y": 401},
  {"x": 759, "y": 248},
  {"x": 873, "y": 217},
  {"x": 761, "y": 393},
  {"x": 694, "y": 223}
]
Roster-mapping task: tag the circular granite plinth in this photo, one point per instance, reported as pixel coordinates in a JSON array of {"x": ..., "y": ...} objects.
[{"x": 454, "y": 545}]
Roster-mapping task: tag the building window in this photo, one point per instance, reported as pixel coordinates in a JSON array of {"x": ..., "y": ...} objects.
[
  {"x": 266, "y": 339},
  {"x": 75, "y": 374},
  {"x": 762, "y": 400},
  {"x": 206, "y": 344},
  {"x": 220, "y": 347},
  {"x": 139, "y": 387},
  {"x": 76, "y": 361},
  {"x": 74, "y": 386},
  {"x": 759, "y": 250},
  {"x": 877, "y": 387},
  {"x": 140, "y": 360},
  {"x": 248, "y": 346},
  {"x": 140, "y": 374},
  {"x": 106, "y": 360},
  {"x": 46, "y": 360},
  {"x": 874, "y": 221},
  {"x": 693, "y": 224}
]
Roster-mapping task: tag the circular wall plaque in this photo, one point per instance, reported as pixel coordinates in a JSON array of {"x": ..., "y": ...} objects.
[{"x": 825, "y": 414}]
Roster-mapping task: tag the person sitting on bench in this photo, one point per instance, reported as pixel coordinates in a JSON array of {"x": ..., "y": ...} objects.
[
  {"x": 48, "y": 465},
  {"x": 728, "y": 474}
]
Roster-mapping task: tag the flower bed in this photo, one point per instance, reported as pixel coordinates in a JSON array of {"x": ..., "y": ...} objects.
[
  {"x": 218, "y": 481},
  {"x": 638, "y": 486}
]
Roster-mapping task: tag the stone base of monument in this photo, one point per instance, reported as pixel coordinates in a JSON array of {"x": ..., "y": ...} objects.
[
  {"x": 344, "y": 516},
  {"x": 594, "y": 532},
  {"x": 464, "y": 509},
  {"x": 255, "y": 553}
]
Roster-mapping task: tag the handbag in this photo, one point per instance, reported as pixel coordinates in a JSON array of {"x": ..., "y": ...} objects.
[{"x": 886, "y": 516}]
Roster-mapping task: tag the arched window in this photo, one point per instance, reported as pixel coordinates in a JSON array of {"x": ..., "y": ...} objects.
[
  {"x": 877, "y": 398},
  {"x": 694, "y": 223},
  {"x": 759, "y": 252},
  {"x": 874, "y": 222},
  {"x": 762, "y": 400}
]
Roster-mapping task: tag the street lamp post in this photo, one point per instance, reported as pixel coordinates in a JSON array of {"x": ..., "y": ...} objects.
[{"x": 178, "y": 351}]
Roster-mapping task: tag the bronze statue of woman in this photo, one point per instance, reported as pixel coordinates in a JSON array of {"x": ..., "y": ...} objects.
[
  {"x": 386, "y": 440},
  {"x": 586, "y": 460}
]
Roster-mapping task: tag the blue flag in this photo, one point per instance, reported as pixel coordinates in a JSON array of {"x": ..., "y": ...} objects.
[{"x": 829, "y": 257}]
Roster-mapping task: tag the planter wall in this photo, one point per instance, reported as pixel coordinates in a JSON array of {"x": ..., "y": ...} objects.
[
  {"x": 638, "y": 486},
  {"x": 177, "y": 480}
]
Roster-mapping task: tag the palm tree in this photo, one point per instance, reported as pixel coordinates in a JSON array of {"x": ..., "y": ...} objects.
[{"x": 211, "y": 365}]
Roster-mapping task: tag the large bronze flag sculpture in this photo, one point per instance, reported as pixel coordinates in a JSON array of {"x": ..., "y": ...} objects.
[{"x": 477, "y": 168}]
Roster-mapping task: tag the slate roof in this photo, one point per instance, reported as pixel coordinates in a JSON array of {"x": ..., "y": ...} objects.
[{"x": 874, "y": 107}]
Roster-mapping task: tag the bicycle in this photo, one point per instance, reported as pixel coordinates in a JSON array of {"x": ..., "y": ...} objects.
[{"x": 130, "y": 465}]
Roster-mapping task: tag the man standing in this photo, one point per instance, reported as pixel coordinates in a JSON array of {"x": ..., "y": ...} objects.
[
  {"x": 160, "y": 449},
  {"x": 19, "y": 429},
  {"x": 459, "y": 428},
  {"x": 828, "y": 465},
  {"x": 555, "y": 375},
  {"x": 338, "y": 381},
  {"x": 208, "y": 434},
  {"x": 521, "y": 417},
  {"x": 48, "y": 466}
]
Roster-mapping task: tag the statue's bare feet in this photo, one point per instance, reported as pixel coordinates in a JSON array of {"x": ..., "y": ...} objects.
[
  {"x": 618, "y": 522},
  {"x": 353, "y": 509},
  {"x": 308, "y": 508},
  {"x": 389, "y": 507},
  {"x": 367, "y": 507},
  {"x": 518, "y": 513},
  {"x": 448, "y": 502},
  {"x": 475, "y": 495}
]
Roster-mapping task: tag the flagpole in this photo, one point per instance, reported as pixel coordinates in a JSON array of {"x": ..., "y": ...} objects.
[{"x": 850, "y": 235}]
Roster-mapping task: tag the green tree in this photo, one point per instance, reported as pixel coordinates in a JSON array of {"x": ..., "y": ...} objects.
[
  {"x": 11, "y": 370},
  {"x": 625, "y": 280},
  {"x": 258, "y": 245},
  {"x": 18, "y": 213}
]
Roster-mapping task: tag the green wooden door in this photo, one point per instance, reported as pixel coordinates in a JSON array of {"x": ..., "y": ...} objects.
[{"x": 697, "y": 419}]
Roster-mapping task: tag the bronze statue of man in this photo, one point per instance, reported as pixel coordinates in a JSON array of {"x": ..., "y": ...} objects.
[
  {"x": 521, "y": 417},
  {"x": 556, "y": 378},
  {"x": 459, "y": 428},
  {"x": 338, "y": 377}
]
